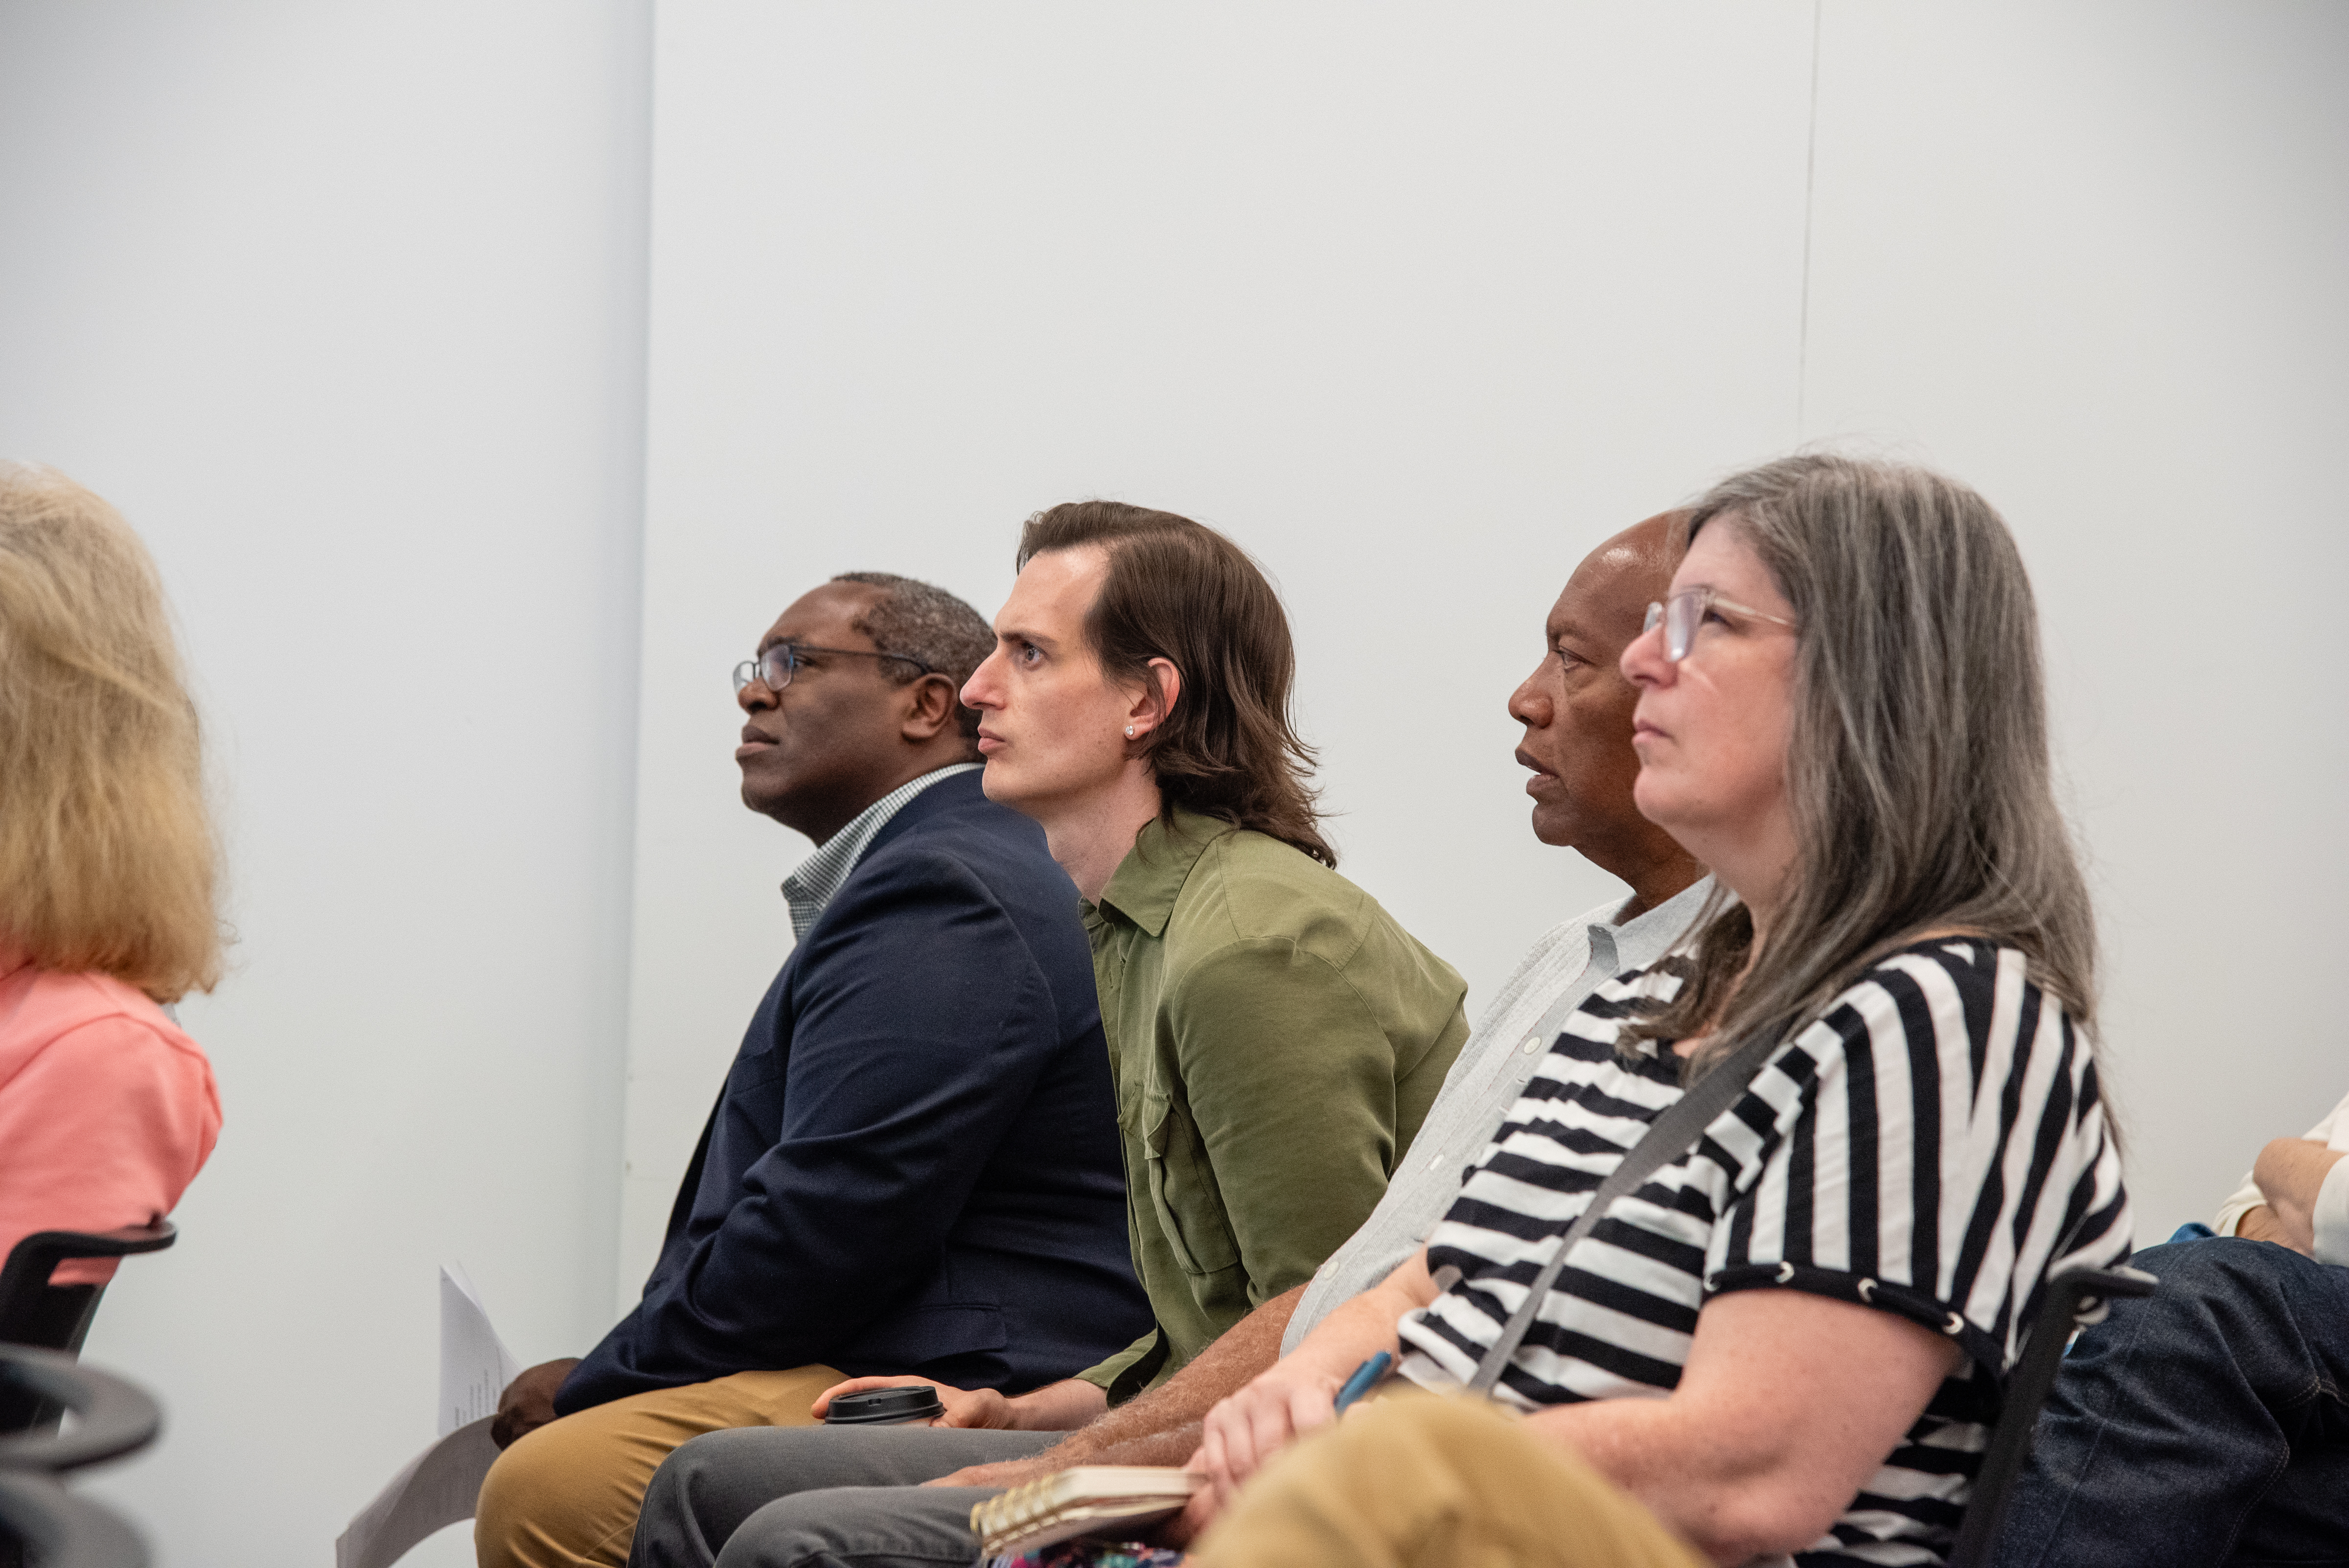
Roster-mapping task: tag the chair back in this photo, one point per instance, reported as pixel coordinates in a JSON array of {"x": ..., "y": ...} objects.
[
  {"x": 2075, "y": 1297},
  {"x": 41, "y": 1524},
  {"x": 58, "y": 1317}
]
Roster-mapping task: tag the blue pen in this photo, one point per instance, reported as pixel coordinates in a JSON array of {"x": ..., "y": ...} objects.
[{"x": 1365, "y": 1377}]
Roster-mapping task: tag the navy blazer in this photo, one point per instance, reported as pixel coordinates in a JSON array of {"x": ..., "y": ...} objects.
[{"x": 915, "y": 1164}]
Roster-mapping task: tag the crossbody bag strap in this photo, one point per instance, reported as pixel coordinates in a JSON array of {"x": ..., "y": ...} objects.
[{"x": 1671, "y": 1135}]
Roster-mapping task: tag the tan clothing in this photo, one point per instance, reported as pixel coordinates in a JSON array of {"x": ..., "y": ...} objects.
[
  {"x": 567, "y": 1494},
  {"x": 1423, "y": 1481}
]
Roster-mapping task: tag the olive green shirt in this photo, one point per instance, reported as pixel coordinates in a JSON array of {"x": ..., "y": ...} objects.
[{"x": 1277, "y": 1039}]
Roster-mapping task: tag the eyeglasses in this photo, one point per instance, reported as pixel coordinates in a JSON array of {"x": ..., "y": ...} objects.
[
  {"x": 1683, "y": 612},
  {"x": 775, "y": 668}
]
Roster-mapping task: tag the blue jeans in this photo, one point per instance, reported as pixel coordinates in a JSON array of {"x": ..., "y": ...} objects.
[{"x": 2201, "y": 1426}]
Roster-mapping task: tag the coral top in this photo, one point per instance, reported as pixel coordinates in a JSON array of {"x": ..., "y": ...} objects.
[{"x": 106, "y": 1109}]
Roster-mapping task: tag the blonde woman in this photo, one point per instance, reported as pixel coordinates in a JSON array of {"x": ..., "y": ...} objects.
[{"x": 107, "y": 871}]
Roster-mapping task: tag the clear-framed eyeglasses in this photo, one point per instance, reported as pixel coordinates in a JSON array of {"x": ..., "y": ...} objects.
[
  {"x": 775, "y": 666},
  {"x": 1683, "y": 612}
]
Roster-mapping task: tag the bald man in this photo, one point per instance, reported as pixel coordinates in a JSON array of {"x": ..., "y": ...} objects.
[{"x": 773, "y": 1497}]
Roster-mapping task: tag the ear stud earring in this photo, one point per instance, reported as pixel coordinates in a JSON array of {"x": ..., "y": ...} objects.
[{"x": 1129, "y": 731}]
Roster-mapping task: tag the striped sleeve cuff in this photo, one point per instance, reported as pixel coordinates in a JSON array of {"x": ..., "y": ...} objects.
[{"x": 1916, "y": 1305}]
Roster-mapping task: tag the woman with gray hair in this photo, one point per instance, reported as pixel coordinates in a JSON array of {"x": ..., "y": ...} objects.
[{"x": 1877, "y": 1127}]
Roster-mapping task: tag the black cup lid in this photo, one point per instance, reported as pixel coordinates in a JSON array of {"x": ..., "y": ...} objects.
[{"x": 918, "y": 1403}]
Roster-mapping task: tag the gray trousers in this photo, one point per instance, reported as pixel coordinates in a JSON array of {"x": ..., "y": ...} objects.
[{"x": 821, "y": 1497}]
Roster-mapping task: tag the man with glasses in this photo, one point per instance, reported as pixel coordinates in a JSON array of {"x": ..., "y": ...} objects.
[{"x": 913, "y": 1166}]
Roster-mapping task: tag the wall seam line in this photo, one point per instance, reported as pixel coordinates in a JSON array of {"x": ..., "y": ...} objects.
[{"x": 1810, "y": 183}]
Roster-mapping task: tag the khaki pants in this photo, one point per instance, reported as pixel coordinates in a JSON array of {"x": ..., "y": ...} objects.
[
  {"x": 566, "y": 1495},
  {"x": 1428, "y": 1481}
]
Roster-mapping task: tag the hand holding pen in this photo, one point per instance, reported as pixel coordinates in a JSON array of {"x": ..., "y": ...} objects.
[{"x": 1365, "y": 1378}]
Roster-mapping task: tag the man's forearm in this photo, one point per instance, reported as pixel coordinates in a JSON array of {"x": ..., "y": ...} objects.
[
  {"x": 1171, "y": 1447},
  {"x": 1250, "y": 1346}
]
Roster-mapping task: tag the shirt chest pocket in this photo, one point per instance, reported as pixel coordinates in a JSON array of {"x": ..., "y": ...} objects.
[{"x": 1183, "y": 1191}]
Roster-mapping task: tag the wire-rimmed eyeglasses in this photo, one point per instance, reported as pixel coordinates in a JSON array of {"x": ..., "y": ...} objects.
[
  {"x": 1683, "y": 612},
  {"x": 775, "y": 666}
]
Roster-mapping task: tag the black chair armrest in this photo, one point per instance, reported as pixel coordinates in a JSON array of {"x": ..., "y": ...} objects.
[
  {"x": 112, "y": 1416},
  {"x": 31, "y": 1261},
  {"x": 63, "y": 1530},
  {"x": 2074, "y": 1296},
  {"x": 56, "y": 1317}
]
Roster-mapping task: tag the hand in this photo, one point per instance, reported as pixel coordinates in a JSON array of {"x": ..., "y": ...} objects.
[
  {"x": 1273, "y": 1409},
  {"x": 965, "y": 1406},
  {"x": 1198, "y": 1515},
  {"x": 528, "y": 1402},
  {"x": 2290, "y": 1172},
  {"x": 2260, "y": 1224}
]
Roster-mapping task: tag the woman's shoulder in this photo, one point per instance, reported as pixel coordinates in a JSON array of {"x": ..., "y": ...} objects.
[
  {"x": 94, "y": 1066},
  {"x": 1947, "y": 987},
  {"x": 1967, "y": 959},
  {"x": 91, "y": 1011}
]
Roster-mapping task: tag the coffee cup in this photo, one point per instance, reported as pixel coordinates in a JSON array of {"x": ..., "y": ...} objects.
[{"x": 884, "y": 1406}]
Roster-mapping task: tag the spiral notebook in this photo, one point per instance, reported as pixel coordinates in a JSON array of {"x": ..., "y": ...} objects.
[{"x": 1090, "y": 1500}]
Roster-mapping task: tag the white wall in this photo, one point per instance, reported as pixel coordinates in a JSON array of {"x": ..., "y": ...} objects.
[
  {"x": 1420, "y": 303},
  {"x": 344, "y": 307},
  {"x": 347, "y": 306},
  {"x": 2090, "y": 257},
  {"x": 1417, "y": 304}
]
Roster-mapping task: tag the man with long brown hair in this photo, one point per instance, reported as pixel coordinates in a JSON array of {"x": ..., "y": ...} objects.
[{"x": 1278, "y": 1038}]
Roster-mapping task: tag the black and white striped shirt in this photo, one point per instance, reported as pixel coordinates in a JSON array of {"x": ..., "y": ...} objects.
[{"x": 1934, "y": 1145}]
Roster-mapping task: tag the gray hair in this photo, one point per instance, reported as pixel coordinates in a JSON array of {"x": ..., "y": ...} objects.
[
  {"x": 1918, "y": 768},
  {"x": 928, "y": 623}
]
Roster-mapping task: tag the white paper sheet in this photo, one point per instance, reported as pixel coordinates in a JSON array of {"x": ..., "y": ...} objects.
[
  {"x": 475, "y": 1366},
  {"x": 440, "y": 1486},
  {"x": 436, "y": 1489}
]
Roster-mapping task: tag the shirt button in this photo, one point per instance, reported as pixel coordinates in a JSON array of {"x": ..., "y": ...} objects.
[
  {"x": 1532, "y": 1045},
  {"x": 1437, "y": 1163}
]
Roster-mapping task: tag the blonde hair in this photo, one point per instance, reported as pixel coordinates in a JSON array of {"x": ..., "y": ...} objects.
[{"x": 108, "y": 860}]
